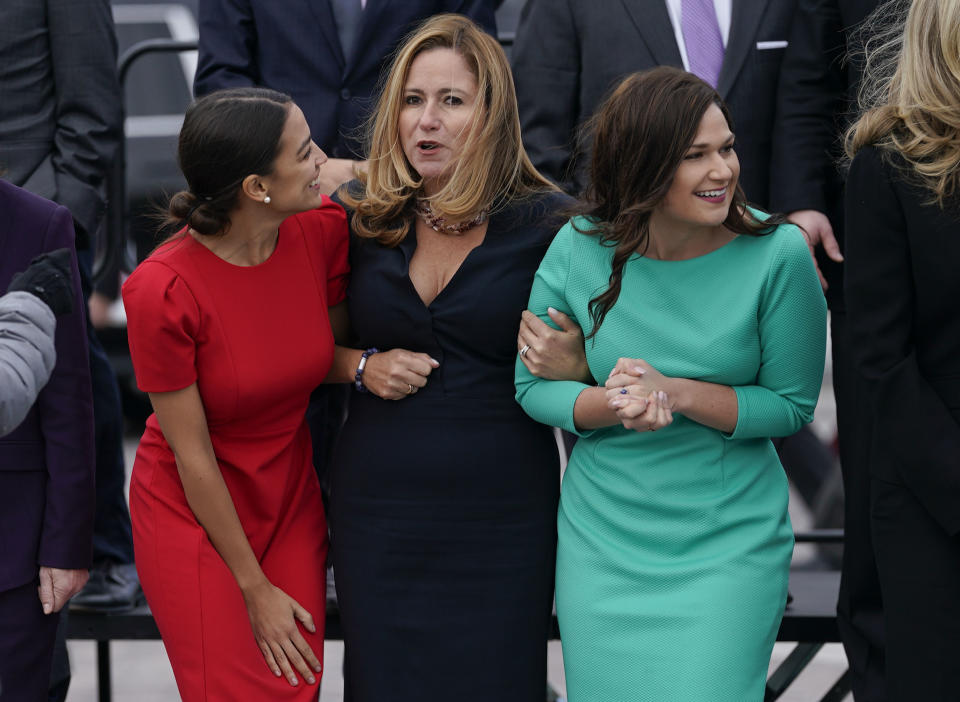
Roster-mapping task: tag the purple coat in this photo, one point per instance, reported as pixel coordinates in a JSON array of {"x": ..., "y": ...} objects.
[{"x": 47, "y": 463}]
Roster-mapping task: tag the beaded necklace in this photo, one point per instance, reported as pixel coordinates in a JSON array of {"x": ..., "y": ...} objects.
[{"x": 439, "y": 224}]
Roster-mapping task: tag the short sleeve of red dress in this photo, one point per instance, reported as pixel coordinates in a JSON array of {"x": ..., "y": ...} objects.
[
  {"x": 162, "y": 325},
  {"x": 325, "y": 230}
]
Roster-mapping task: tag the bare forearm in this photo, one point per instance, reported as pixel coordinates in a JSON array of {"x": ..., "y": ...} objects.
[
  {"x": 344, "y": 367},
  {"x": 710, "y": 404},
  {"x": 591, "y": 410},
  {"x": 213, "y": 507}
]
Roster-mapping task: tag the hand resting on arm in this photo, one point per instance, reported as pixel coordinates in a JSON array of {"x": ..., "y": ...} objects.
[{"x": 391, "y": 375}]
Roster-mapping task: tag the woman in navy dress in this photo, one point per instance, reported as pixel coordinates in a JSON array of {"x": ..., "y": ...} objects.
[{"x": 444, "y": 493}]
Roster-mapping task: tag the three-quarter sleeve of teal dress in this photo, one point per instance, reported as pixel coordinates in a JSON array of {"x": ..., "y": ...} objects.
[
  {"x": 551, "y": 402},
  {"x": 792, "y": 322}
]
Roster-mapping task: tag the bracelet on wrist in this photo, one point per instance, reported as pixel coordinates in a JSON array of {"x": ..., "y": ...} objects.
[{"x": 358, "y": 377}]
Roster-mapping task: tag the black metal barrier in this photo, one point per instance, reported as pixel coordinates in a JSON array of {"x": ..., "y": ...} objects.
[
  {"x": 117, "y": 213},
  {"x": 809, "y": 620}
]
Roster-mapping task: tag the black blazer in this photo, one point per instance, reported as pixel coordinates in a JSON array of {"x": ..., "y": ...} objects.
[
  {"x": 569, "y": 54},
  {"x": 815, "y": 99},
  {"x": 60, "y": 112},
  {"x": 903, "y": 300},
  {"x": 292, "y": 46}
]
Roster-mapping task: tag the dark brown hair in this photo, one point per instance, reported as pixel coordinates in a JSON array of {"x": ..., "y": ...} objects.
[
  {"x": 640, "y": 135},
  {"x": 226, "y": 136}
]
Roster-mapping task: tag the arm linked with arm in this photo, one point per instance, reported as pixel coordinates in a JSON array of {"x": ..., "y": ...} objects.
[{"x": 569, "y": 404}]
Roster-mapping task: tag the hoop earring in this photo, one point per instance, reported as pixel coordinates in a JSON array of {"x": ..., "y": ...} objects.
[{"x": 266, "y": 200}]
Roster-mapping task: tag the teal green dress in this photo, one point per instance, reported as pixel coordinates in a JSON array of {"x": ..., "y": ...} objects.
[{"x": 674, "y": 546}]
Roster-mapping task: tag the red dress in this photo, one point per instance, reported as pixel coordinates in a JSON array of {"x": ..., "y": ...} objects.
[{"x": 257, "y": 341}]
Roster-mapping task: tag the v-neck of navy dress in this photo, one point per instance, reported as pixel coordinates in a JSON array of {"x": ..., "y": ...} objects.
[{"x": 443, "y": 504}]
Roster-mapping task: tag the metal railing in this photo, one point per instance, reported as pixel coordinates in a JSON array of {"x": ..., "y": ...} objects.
[{"x": 114, "y": 252}]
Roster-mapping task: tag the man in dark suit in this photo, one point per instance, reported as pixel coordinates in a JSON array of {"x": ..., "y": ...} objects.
[
  {"x": 46, "y": 468},
  {"x": 816, "y": 96},
  {"x": 569, "y": 54},
  {"x": 60, "y": 123},
  {"x": 327, "y": 54}
]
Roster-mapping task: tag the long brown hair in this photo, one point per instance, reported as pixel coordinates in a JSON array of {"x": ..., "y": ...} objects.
[
  {"x": 493, "y": 166},
  {"x": 640, "y": 135}
]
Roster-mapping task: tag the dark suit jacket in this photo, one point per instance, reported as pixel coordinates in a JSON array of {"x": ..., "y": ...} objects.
[
  {"x": 816, "y": 96},
  {"x": 902, "y": 293},
  {"x": 46, "y": 464},
  {"x": 569, "y": 54},
  {"x": 292, "y": 46},
  {"x": 60, "y": 113}
]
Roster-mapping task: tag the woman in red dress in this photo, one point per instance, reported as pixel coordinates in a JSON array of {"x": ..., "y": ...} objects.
[{"x": 229, "y": 333}]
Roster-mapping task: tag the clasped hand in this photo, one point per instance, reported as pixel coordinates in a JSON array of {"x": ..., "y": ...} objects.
[
  {"x": 637, "y": 392},
  {"x": 273, "y": 618},
  {"x": 398, "y": 373}
]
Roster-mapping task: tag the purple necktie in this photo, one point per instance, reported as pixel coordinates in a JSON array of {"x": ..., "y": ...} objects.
[{"x": 701, "y": 34}]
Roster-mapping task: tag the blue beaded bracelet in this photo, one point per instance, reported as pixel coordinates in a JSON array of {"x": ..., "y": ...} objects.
[{"x": 358, "y": 378}]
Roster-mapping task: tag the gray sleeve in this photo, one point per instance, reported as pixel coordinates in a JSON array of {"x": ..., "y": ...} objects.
[{"x": 27, "y": 355}]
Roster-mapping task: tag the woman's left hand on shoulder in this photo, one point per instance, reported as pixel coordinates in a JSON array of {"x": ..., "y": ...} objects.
[{"x": 553, "y": 354}]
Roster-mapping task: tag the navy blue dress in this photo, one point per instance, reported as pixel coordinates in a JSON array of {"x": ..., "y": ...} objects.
[{"x": 443, "y": 504}]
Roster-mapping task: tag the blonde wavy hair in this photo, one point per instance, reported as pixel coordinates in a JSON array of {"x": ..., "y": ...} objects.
[
  {"x": 493, "y": 167},
  {"x": 910, "y": 97}
]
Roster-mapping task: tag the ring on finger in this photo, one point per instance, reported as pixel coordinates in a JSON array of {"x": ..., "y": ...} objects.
[
  {"x": 523, "y": 351},
  {"x": 410, "y": 389}
]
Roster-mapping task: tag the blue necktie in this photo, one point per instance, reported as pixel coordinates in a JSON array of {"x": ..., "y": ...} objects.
[{"x": 347, "y": 14}]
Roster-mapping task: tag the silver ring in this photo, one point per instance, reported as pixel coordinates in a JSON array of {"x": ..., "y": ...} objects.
[{"x": 523, "y": 351}]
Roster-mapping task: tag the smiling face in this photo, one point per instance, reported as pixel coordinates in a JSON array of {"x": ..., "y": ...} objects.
[
  {"x": 293, "y": 185},
  {"x": 703, "y": 187},
  {"x": 439, "y": 100}
]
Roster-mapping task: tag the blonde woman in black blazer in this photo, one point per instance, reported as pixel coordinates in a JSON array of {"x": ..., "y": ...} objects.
[{"x": 903, "y": 296}]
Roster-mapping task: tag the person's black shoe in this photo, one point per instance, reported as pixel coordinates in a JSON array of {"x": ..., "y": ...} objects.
[{"x": 113, "y": 588}]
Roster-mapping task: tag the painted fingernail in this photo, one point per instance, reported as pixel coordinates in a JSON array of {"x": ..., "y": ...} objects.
[
  {"x": 318, "y": 668},
  {"x": 617, "y": 403},
  {"x": 311, "y": 680},
  {"x": 662, "y": 396},
  {"x": 293, "y": 680},
  {"x": 551, "y": 309},
  {"x": 639, "y": 369}
]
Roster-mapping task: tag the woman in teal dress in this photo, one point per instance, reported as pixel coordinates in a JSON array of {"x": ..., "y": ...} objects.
[{"x": 707, "y": 322}]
